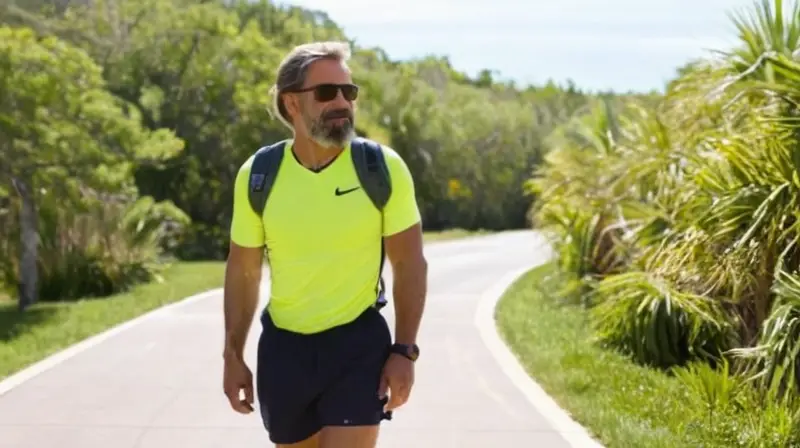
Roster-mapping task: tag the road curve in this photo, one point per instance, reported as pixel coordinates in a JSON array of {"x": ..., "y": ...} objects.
[{"x": 158, "y": 382}]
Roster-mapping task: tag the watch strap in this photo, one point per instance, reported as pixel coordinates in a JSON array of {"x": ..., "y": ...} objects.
[{"x": 410, "y": 351}]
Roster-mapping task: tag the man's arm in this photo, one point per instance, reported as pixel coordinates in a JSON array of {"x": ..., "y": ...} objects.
[
  {"x": 410, "y": 270},
  {"x": 402, "y": 231},
  {"x": 242, "y": 281},
  {"x": 243, "y": 268}
]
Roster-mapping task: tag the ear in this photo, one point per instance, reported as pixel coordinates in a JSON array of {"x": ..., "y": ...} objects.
[{"x": 292, "y": 104}]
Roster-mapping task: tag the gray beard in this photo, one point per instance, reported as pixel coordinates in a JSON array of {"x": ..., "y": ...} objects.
[{"x": 334, "y": 136}]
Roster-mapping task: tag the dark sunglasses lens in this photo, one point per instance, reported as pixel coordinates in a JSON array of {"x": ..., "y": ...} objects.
[
  {"x": 350, "y": 92},
  {"x": 326, "y": 92}
]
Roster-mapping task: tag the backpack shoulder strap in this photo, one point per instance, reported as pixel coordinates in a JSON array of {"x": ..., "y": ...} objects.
[
  {"x": 263, "y": 172},
  {"x": 372, "y": 172}
]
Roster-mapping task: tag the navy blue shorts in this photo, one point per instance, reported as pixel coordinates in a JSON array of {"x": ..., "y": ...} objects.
[{"x": 331, "y": 378}]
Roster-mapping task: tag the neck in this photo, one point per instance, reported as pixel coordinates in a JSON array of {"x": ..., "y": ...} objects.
[{"x": 311, "y": 154}]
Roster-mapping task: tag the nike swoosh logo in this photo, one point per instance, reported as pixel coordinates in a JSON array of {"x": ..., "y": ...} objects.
[{"x": 341, "y": 192}]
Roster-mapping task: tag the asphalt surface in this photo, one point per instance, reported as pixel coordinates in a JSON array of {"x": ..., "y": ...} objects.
[{"x": 158, "y": 384}]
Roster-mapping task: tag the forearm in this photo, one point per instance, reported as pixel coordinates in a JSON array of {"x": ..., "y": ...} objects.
[
  {"x": 240, "y": 302},
  {"x": 409, "y": 291}
]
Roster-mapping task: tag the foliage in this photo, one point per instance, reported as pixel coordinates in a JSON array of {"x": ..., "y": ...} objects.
[
  {"x": 727, "y": 409},
  {"x": 659, "y": 325},
  {"x": 99, "y": 247},
  {"x": 680, "y": 218},
  {"x": 622, "y": 403},
  {"x": 63, "y": 137},
  {"x": 59, "y": 127}
]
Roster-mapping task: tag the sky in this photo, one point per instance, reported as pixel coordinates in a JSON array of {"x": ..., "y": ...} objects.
[{"x": 599, "y": 44}]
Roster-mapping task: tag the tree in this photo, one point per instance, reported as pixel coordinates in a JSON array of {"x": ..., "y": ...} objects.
[{"x": 62, "y": 132}]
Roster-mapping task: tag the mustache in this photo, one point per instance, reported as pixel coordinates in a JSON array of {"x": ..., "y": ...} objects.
[{"x": 338, "y": 113}]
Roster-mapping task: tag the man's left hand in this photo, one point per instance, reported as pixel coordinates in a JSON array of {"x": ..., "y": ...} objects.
[{"x": 397, "y": 377}]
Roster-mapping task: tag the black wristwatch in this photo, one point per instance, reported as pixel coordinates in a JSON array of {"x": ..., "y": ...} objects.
[{"x": 410, "y": 351}]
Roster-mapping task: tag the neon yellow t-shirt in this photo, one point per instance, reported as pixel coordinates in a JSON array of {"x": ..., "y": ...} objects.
[{"x": 323, "y": 249}]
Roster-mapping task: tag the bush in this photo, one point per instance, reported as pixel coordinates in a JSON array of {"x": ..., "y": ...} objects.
[
  {"x": 660, "y": 326},
  {"x": 99, "y": 248}
]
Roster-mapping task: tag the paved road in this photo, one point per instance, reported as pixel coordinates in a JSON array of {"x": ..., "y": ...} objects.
[{"x": 158, "y": 383}]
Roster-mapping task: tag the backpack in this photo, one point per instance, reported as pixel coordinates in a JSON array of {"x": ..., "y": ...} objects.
[{"x": 371, "y": 169}]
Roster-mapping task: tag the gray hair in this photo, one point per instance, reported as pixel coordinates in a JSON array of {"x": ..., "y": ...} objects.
[{"x": 293, "y": 70}]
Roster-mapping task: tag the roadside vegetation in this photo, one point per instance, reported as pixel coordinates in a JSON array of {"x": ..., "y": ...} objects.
[
  {"x": 623, "y": 403},
  {"x": 671, "y": 314}
]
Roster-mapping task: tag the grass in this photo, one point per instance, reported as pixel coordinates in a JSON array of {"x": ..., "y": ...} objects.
[
  {"x": 622, "y": 404},
  {"x": 46, "y": 328}
]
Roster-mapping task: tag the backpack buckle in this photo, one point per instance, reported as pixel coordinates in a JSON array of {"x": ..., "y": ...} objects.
[{"x": 381, "y": 301}]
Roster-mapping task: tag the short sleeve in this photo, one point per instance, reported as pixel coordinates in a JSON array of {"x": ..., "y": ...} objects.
[
  {"x": 247, "y": 228},
  {"x": 401, "y": 211}
]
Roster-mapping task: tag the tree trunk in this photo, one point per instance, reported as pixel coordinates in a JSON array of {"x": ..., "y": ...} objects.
[
  {"x": 764, "y": 296},
  {"x": 29, "y": 237}
]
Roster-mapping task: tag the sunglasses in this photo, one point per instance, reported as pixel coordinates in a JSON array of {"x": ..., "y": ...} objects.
[{"x": 327, "y": 92}]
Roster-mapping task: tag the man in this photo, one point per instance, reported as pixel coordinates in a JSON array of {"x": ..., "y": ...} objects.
[{"x": 327, "y": 368}]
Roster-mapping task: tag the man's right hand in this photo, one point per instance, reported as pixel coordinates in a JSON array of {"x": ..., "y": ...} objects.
[{"x": 237, "y": 378}]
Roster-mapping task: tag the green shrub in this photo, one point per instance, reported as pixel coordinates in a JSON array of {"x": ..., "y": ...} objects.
[
  {"x": 99, "y": 248},
  {"x": 646, "y": 317}
]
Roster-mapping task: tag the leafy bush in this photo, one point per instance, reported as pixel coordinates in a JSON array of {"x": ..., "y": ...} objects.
[
  {"x": 659, "y": 325},
  {"x": 774, "y": 362},
  {"x": 100, "y": 248}
]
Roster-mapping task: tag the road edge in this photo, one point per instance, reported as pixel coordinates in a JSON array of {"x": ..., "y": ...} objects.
[
  {"x": 575, "y": 434},
  {"x": 60, "y": 356}
]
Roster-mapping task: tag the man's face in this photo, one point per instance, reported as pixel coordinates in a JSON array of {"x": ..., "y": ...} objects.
[{"x": 326, "y": 104}]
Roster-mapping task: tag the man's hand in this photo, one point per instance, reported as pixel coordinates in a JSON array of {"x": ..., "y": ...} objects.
[
  {"x": 397, "y": 377},
  {"x": 237, "y": 378}
]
